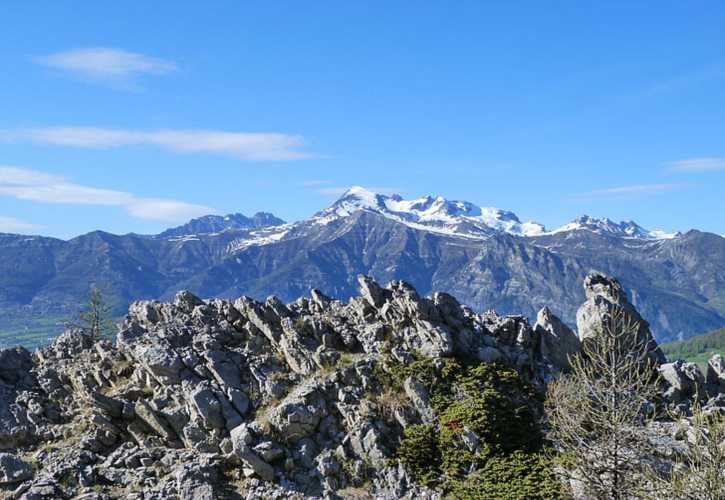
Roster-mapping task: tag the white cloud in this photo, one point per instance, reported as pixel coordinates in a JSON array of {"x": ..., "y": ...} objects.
[
  {"x": 697, "y": 165},
  {"x": 26, "y": 184},
  {"x": 624, "y": 192},
  {"x": 250, "y": 146},
  {"x": 32, "y": 185},
  {"x": 111, "y": 66},
  {"x": 165, "y": 210},
  {"x": 11, "y": 225}
]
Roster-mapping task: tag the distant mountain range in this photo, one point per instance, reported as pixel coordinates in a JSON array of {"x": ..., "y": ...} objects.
[
  {"x": 485, "y": 256},
  {"x": 219, "y": 223}
]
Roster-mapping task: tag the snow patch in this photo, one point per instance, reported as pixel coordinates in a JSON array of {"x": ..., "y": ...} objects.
[
  {"x": 258, "y": 238},
  {"x": 436, "y": 214},
  {"x": 624, "y": 229}
]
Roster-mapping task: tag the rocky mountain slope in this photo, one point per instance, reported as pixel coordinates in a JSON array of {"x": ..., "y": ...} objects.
[
  {"x": 486, "y": 257},
  {"x": 245, "y": 399},
  {"x": 220, "y": 223}
]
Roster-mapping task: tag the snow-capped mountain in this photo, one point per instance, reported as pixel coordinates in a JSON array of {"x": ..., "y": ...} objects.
[
  {"x": 436, "y": 214},
  {"x": 462, "y": 218},
  {"x": 219, "y": 223},
  {"x": 486, "y": 256},
  {"x": 624, "y": 229},
  {"x": 433, "y": 213}
]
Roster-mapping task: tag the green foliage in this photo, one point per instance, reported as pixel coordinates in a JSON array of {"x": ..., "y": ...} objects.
[
  {"x": 492, "y": 401},
  {"x": 517, "y": 476},
  {"x": 345, "y": 361},
  {"x": 487, "y": 425},
  {"x": 391, "y": 374},
  {"x": 95, "y": 317},
  {"x": 420, "y": 453},
  {"x": 699, "y": 348}
]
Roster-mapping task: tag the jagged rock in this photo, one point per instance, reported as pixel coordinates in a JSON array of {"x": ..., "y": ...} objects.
[
  {"x": 13, "y": 470},
  {"x": 269, "y": 451},
  {"x": 113, "y": 407},
  {"x": 716, "y": 370},
  {"x": 146, "y": 312},
  {"x": 323, "y": 301},
  {"x": 162, "y": 362},
  {"x": 155, "y": 423},
  {"x": 604, "y": 296},
  {"x": 298, "y": 414},
  {"x": 186, "y": 301},
  {"x": 252, "y": 460},
  {"x": 509, "y": 331},
  {"x": 68, "y": 344},
  {"x": 685, "y": 379},
  {"x": 556, "y": 341},
  {"x": 198, "y": 398},
  {"x": 420, "y": 398},
  {"x": 297, "y": 348},
  {"x": 372, "y": 292},
  {"x": 15, "y": 365}
]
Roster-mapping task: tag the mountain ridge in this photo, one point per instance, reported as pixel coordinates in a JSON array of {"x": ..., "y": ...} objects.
[
  {"x": 316, "y": 398},
  {"x": 677, "y": 281}
]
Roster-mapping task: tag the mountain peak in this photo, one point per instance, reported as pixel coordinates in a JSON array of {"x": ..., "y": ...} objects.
[
  {"x": 436, "y": 213},
  {"x": 626, "y": 228},
  {"x": 358, "y": 197},
  {"x": 219, "y": 223}
]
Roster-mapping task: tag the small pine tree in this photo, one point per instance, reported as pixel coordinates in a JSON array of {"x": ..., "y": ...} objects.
[
  {"x": 94, "y": 319},
  {"x": 598, "y": 411}
]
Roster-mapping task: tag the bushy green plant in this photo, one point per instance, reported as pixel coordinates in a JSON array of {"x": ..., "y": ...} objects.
[
  {"x": 419, "y": 452},
  {"x": 518, "y": 476},
  {"x": 492, "y": 401},
  {"x": 486, "y": 423}
]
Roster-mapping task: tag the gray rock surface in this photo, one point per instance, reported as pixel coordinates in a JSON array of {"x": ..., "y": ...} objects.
[
  {"x": 556, "y": 341},
  {"x": 606, "y": 298},
  {"x": 216, "y": 398},
  {"x": 13, "y": 470},
  {"x": 716, "y": 370},
  {"x": 684, "y": 380}
]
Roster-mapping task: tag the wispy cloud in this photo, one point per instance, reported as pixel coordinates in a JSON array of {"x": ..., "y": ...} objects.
[
  {"x": 681, "y": 82},
  {"x": 11, "y": 225},
  {"x": 249, "y": 146},
  {"x": 114, "y": 67},
  {"x": 626, "y": 192},
  {"x": 33, "y": 185},
  {"x": 696, "y": 165}
]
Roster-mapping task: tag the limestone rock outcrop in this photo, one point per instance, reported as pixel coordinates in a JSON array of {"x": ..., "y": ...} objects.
[
  {"x": 557, "y": 341},
  {"x": 13, "y": 470},
  {"x": 197, "y": 398},
  {"x": 606, "y": 303}
]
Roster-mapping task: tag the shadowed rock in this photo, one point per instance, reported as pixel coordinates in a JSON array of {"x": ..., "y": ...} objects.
[
  {"x": 557, "y": 342},
  {"x": 605, "y": 297}
]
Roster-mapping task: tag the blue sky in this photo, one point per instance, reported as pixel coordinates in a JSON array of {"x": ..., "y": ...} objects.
[{"x": 134, "y": 116}]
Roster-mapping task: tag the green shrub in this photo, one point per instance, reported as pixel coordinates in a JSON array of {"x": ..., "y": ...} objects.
[
  {"x": 517, "y": 476},
  {"x": 420, "y": 454},
  {"x": 490, "y": 401}
]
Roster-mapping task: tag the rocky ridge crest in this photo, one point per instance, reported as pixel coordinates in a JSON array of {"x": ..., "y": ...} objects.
[{"x": 233, "y": 399}]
